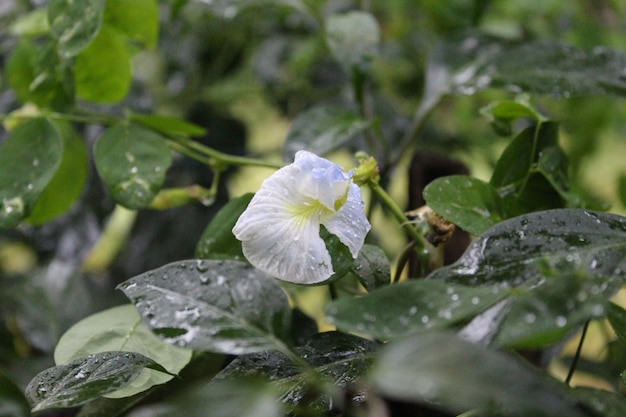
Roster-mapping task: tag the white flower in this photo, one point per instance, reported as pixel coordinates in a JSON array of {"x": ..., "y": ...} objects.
[{"x": 280, "y": 229}]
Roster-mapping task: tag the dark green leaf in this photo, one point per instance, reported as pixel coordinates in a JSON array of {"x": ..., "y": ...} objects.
[
  {"x": 219, "y": 306},
  {"x": 410, "y": 307},
  {"x": 12, "y": 401},
  {"x": 103, "y": 72},
  {"x": 468, "y": 202},
  {"x": 29, "y": 159},
  {"x": 120, "y": 328},
  {"x": 515, "y": 251},
  {"x": 132, "y": 162},
  {"x": 449, "y": 372},
  {"x": 621, "y": 189},
  {"x": 341, "y": 358},
  {"x": 617, "y": 317},
  {"x": 85, "y": 379},
  {"x": 67, "y": 183},
  {"x": 321, "y": 130},
  {"x": 136, "y": 19},
  {"x": 553, "y": 166},
  {"x": 340, "y": 255},
  {"x": 167, "y": 125},
  {"x": 602, "y": 403},
  {"x": 217, "y": 240},
  {"x": 353, "y": 38},
  {"x": 74, "y": 23},
  {"x": 372, "y": 267}
]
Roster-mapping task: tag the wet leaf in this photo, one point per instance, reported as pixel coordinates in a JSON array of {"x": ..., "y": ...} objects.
[
  {"x": 217, "y": 240},
  {"x": 410, "y": 307},
  {"x": 372, "y": 267},
  {"x": 12, "y": 400},
  {"x": 354, "y": 39},
  {"x": 74, "y": 23},
  {"x": 602, "y": 403},
  {"x": 322, "y": 129},
  {"x": 103, "y": 73},
  {"x": 617, "y": 317},
  {"x": 468, "y": 202},
  {"x": 120, "y": 329},
  {"x": 29, "y": 158},
  {"x": 136, "y": 19},
  {"x": 132, "y": 162},
  {"x": 85, "y": 379},
  {"x": 68, "y": 181},
  {"x": 220, "y": 306},
  {"x": 167, "y": 125},
  {"x": 516, "y": 251},
  {"x": 445, "y": 371},
  {"x": 340, "y": 358}
]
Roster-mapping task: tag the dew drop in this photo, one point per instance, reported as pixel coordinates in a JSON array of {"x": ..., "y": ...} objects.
[
  {"x": 560, "y": 321},
  {"x": 530, "y": 318}
]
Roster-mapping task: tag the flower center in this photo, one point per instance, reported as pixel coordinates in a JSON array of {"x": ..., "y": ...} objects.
[{"x": 309, "y": 209}]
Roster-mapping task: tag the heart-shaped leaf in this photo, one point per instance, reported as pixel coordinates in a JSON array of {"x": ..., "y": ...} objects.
[{"x": 219, "y": 306}]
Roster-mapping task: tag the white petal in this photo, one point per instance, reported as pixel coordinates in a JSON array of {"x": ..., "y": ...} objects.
[
  {"x": 350, "y": 224},
  {"x": 320, "y": 179}
]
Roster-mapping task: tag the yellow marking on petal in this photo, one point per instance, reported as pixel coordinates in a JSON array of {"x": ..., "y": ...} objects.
[{"x": 312, "y": 209}]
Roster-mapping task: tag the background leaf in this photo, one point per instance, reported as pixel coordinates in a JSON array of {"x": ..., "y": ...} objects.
[
  {"x": 120, "y": 329},
  {"x": 167, "y": 125},
  {"x": 322, "y": 129},
  {"x": 136, "y": 19},
  {"x": 12, "y": 400},
  {"x": 445, "y": 371},
  {"x": 219, "y": 306},
  {"x": 132, "y": 162},
  {"x": 353, "y": 38},
  {"x": 85, "y": 379},
  {"x": 29, "y": 158},
  {"x": 74, "y": 23}
]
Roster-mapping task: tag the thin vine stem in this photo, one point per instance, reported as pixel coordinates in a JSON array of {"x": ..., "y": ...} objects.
[{"x": 574, "y": 364}]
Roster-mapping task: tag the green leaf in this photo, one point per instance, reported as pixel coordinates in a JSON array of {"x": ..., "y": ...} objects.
[
  {"x": 621, "y": 189},
  {"x": 103, "y": 72},
  {"x": 85, "y": 379},
  {"x": 450, "y": 373},
  {"x": 29, "y": 158},
  {"x": 410, "y": 307},
  {"x": 136, "y": 19},
  {"x": 322, "y": 129},
  {"x": 132, "y": 162},
  {"x": 33, "y": 23},
  {"x": 120, "y": 329},
  {"x": 217, "y": 240},
  {"x": 341, "y": 358},
  {"x": 516, "y": 251},
  {"x": 231, "y": 8},
  {"x": 167, "y": 125},
  {"x": 38, "y": 76},
  {"x": 354, "y": 40},
  {"x": 372, "y": 267},
  {"x": 67, "y": 183},
  {"x": 12, "y": 401},
  {"x": 74, "y": 24},
  {"x": 502, "y": 114},
  {"x": 617, "y": 317},
  {"x": 468, "y": 202},
  {"x": 601, "y": 402},
  {"x": 220, "y": 306}
]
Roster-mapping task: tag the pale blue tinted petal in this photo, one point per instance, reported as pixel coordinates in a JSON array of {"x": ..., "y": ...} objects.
[
  {"x": 320, "y": 179},
  {"x": 350, "y": 224}
]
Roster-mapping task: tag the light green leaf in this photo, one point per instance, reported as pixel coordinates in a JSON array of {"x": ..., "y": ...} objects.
[
  {"x": 354, "y": 39},
  {"x": 67, "y": 183},
  {"x": 132, "y": 162},
  {"x": 502, "y": 114},
  {"x": 29, "y": 158},
  {"x": 219, "y": 306},
  {"x": 120, "y": 329},
  {"x": 136, "y": 19},
  {"x": 217, "y": 240},
  {"x": 448, "y": 372},
  {"x": 103, "y": 72},
  {"x": 322, "y": 129},
  {"x": 167, "y": 125},
  {"x": 74, "y": 23},
  {"x": 410, "y": 307},
  {"x": 468, "y": 202},
  {"x": 33, "y": 23},
  {"x": 85, "y": 379}
]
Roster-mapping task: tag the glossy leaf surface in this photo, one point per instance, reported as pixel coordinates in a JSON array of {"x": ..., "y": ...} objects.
[
  {"x": 120, "y": 328},
  {"x": 468, "y": 202},
  {"x": 372, "y": 267},
  {"x": 410, "y": 307},
  {"x": 321, "y": 130},
  {"x": 340, "y": 358},
  {"x": 132, "y": 162},
  {"x": 219, "y": 306},
  {"x": 445, "y": 371},
  {"x": 74, "y": 23},
  {"x": 29, "y": 159},
  {"x": 85, "y": 379}
]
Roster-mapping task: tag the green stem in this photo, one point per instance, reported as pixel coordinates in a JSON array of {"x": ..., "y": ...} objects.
[{"x": 572, "y": 368}]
